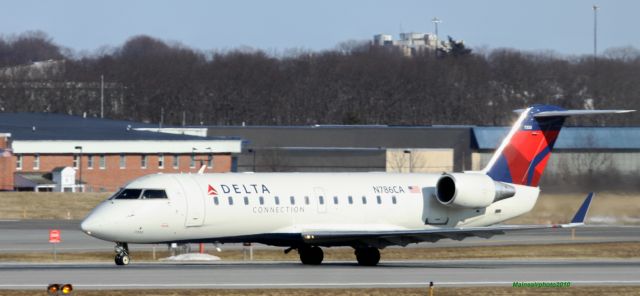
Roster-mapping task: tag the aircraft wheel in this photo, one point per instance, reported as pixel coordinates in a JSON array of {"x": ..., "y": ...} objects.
[
  {"x": 122, "y": 259},
  {"x": 367, "y": 256},
  {"x": 311, "y": 255}
]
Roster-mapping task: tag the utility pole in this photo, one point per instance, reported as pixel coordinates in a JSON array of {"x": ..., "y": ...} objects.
[
  {"x": 101, "y": 96},
  {"x": 595, "y": 31},
  {"x": 436, "y": 21}
]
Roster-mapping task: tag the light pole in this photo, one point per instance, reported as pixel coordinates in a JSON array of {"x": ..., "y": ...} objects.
[
  {"x": 80, "y": 167},
  {"x": 595, "y": 31},
  {"x": 436, "y": 21},
  {"x": 101, "y": 96},
  {"x": 408, "y": 152}
]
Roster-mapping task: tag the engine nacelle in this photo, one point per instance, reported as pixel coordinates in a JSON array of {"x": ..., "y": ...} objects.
[{"x": 471, "y": 190}]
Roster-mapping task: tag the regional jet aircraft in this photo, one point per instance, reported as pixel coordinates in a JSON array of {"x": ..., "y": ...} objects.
[{"x": 365, "y": 211}]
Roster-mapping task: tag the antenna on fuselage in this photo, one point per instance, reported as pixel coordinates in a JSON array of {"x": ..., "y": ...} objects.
[{"x": 202, "y": 168}]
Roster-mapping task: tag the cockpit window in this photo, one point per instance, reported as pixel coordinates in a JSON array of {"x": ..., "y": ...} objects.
[
  {"x": 128, "y": 194},
  {"x": 154, "y": 193}
]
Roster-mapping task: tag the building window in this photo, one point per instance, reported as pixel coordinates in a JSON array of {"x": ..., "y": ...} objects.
[
  {"x": 18, "y": 162},
  {"x": 176, "y": 161},
  {"x": 36, "y": 162},
  {"x": 210, "y": 162},
  {"x": 143, "y": 161},
  {"x": 161, "y": 161},
  {"x": 193, "y": 161},
  {"x": 103, "y": 162},
  {"x": 123, "y": 161},
  {"x": 90, "y": 161},
  {"x": 76, "y": 161}
]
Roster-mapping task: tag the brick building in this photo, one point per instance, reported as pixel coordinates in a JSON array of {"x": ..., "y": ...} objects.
[{"x": 104, "y": 154}]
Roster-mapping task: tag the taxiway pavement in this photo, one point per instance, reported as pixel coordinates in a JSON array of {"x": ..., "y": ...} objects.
[{"x": 327, "y": 275}]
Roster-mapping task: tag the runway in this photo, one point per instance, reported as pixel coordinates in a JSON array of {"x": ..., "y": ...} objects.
[
  {"x": 388, "y": 274},
  {"x": 32, "y": 236}
]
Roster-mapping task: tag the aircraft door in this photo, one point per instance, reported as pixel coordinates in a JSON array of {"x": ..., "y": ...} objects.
[
  {"x": 433, "y": 212},
  {"x": 321, "y": 199},
  {"x": 194, "y": 198}
]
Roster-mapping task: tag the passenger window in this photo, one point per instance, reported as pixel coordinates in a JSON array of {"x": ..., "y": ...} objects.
[
  {"x": 379, "y": 199},
  {"x": 261, "y": 199},
  {"x": 321, "y": 199},
  {"x": 246, "y": 200},
  {"x": 128, "y": 194},
  {"x": 306, "y": 200},
  {"x": 393, "y": 199},
  {"x": 293, "y": 200},
  {"x": 230, "y": 200},
  {"x": 335, "y": 200},
  {"x": 364, "y": 200},
  {"x": 216, "y": 201},
  {"x": 350, "y": 199},
  {"x": 153, "y": 194},
  {"x": 277, "y": 200}
]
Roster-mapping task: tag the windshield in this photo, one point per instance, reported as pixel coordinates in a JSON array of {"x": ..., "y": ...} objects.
[{"x": 128, "y": 194}]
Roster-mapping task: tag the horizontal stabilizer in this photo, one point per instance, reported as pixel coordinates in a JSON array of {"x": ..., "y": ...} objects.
[
  {"x": 563, "y": 113},
  {"x": 581, "y": 214}
]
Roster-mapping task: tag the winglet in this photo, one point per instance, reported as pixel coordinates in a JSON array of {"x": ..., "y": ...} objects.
[{"x": 581, "y": 214}]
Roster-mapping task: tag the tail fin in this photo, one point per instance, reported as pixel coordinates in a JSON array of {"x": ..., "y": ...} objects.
[{"x": 523, "y": 154}]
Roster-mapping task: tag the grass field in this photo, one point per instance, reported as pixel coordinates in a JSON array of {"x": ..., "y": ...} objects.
[
  {"x": 437, "y": 291},
  {"x": 610, "y": 208},
  {"x": 624, "y": 250}
]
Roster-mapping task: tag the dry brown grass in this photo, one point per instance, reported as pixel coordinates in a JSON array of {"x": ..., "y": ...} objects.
[
  {"x": 439, "y": 291},
  {"x": 48, "y": 205},
  {"x": 551, "y": 208},
  {"x": 587, "y": 250},
  {"x": 559, "y": 208}
]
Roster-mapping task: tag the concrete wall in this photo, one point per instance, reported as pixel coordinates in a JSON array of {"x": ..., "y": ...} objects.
[{"x": 419, "y": 160}]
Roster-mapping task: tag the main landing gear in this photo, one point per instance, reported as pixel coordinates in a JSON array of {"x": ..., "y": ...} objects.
[
  {"x": 367, "y": 256},
  {"x": 313, "y": 255},
  {"x": 310, "y": 255},
  {"x": 122, "y": 254}
]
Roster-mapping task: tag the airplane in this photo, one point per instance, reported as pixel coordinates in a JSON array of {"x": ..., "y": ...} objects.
[{"x": 366, "y": 211}]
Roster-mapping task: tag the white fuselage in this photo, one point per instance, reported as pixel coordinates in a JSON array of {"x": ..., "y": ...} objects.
[{"x": 266, "y": 204}]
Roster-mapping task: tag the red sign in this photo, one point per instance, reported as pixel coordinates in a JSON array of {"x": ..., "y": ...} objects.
[{"x": 54, "y": 236}]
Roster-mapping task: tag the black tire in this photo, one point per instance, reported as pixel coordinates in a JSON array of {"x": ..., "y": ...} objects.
[
  {"x": 311, "y": 255},
  {"x": 122, "y": 260},
  {"x": 368, "y": 256}
]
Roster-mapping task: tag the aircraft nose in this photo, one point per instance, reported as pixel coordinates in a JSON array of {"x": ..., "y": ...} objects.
[{"x": 89, "y": 225}]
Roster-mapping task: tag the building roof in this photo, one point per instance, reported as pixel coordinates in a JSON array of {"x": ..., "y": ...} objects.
[
  {"x": 37, "y": 178},
  {"x": 570, "y": 137},
  {"x": 60, "y": 133},
  {"x": 52, "y": 126}
]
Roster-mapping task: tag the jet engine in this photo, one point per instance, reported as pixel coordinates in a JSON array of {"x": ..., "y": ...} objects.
[{"x": 472, "y": 190}]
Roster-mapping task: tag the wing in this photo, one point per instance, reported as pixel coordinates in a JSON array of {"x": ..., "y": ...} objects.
[{"x": 381, "y": 239}]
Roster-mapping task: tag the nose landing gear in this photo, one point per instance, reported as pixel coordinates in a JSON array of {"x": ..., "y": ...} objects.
[{"x": 122, "y": 254}]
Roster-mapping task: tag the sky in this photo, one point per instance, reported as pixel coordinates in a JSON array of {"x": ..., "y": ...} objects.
[{"x": 562, "y": 26}]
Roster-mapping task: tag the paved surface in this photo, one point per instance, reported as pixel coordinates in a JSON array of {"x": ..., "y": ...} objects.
[
  {"x": 331, "y": 274},
  {"x": 33, "y": 235}
]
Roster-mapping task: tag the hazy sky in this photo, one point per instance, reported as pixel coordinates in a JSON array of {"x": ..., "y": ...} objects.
[{"x": 564, "y": 26}]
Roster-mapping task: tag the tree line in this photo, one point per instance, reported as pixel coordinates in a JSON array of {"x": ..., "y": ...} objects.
[{"x": 150, "y": 80}]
